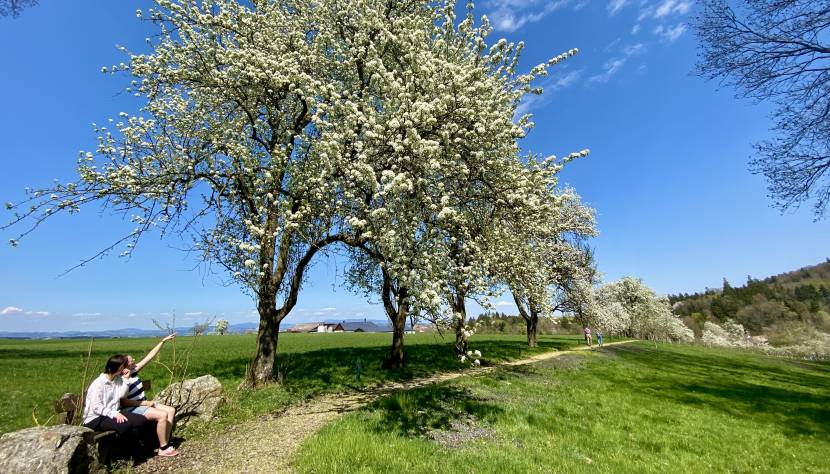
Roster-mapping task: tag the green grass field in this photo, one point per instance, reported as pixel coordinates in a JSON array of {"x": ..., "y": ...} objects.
[
  {"x": 33, "y": 373},
  {"x": 637, "y": 407},
  {"x": 630, "y": 408}
]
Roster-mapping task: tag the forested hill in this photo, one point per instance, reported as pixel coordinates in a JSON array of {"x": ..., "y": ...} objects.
[{"x": 780, "y": 306}]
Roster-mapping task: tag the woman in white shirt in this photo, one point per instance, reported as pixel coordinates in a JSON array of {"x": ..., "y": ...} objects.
[{"x": 103, "y": 401}]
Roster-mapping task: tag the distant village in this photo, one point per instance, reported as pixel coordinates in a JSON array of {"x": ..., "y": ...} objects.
[
  {"x": 350, "y": 325},
  {"x": 354, "y": 326}
]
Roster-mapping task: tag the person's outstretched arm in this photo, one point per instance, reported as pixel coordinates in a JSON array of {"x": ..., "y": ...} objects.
[{"x": 146, "y": 360}]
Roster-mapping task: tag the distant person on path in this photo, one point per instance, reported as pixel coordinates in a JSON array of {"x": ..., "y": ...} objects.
[
  {"x": 588, "y": 336},
  {"x": 137, "y": 403},
  {"x": 599, "y": 337},
  {"x": 103, "y": 398}
]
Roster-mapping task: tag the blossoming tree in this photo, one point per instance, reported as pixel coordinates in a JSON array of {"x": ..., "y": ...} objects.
[
  {"x": 272, "y": 131},
  {"x": 443, "y": 173},
  {"x": 230, "y": 148},
  {"x": 631, "y": 308},
  {"x": 541, "y": 258}
]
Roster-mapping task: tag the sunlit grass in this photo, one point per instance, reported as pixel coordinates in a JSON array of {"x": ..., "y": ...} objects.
[{"x": 631, "y": 408}]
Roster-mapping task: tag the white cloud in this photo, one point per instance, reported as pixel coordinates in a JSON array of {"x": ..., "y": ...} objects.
[
  {"x": 505, "y": 303},
  {"x": 581, "y": 4},
  {"x": 194, "y": 313},
  {"x": 9, "y": 310},
  {"x": 670, "y": 34},
  {"x": 86, "y": 314},
  {"x": 669, "y": 7},
  {"x": 665, "y": 9},
  {"x": 614, "y": 6},
  {"x": 614, "y": 65},
  {"x": 567, "y": 80},
  {"x": 635, "y": 29},
  {"x": 611, "y": 67},
  {"x": 634, "y": 49},
  {"x": 611, "y": 45},
  {"x": 510, "y": 15}
]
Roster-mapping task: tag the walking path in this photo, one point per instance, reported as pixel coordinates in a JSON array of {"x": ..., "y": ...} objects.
[{"x": 268, "y": 443}]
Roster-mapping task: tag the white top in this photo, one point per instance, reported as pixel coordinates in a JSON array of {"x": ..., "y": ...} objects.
[{"x": 103, "y": 397}]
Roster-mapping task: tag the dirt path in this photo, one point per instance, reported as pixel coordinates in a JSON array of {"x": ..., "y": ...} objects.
[{"x": 268, "y": 443}]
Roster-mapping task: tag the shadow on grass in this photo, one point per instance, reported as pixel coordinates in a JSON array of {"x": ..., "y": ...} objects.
[
  {"x": 337, "y": 369},
  {"x": 417, "y": 412},
  {"x": 766, "y": 390}
]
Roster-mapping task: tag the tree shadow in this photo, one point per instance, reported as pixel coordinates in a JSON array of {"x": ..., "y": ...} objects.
[
  {"x": 417, "y": 412},
  {"x": 773, "y": 391},
  {"x": 337, "y": 368}
]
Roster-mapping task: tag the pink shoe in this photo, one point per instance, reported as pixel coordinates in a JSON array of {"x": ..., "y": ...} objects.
[{"x": 169, "y": 452}]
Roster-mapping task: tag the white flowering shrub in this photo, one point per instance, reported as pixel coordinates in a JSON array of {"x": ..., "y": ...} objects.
[
  {"x": 630, "y": 308},
  {"x": 815, "y": 348},
  {"x": 714, "y": 335},
  {"x": 813, "y": 345}
]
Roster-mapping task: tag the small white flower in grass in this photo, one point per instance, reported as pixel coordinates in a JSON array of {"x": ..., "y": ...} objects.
[
  {"x": 463, "y": 358},
  {"x": 477, "y": 362},
  {"x": 477, "y": 353}
]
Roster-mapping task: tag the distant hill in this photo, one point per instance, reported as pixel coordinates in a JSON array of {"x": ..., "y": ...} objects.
[
  {"x": 376, "y": 326},
  {"x": 789, "y": 305},
  {"x": 114, "y": 333}
]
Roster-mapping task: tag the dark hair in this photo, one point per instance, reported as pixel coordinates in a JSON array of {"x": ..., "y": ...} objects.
[{"x": 115, "y": 364}]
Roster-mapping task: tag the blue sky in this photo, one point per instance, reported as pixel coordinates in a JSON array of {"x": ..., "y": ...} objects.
[{"x": 667, "y": 172}]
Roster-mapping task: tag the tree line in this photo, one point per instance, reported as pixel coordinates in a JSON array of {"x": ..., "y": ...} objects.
[{"x": 773, "y": 306}]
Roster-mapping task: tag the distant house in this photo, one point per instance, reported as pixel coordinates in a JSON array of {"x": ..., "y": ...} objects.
[
  {"x": 423, "y": 328},
  {"x": 305, "y": 327},
  {"x": 370, "y": 326},
  {"x": 330, "y": 327},
  {"x": 364, "y": 326},
  {"x": 316, "y": 327}
]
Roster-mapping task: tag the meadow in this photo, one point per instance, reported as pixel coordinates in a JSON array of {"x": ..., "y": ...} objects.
[
  {"x": 33, "y": 373},
  {"x": 637, "y": 407}
]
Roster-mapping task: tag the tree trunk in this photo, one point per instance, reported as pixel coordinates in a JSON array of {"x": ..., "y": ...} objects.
[
  {"x": 262, "y": 368},
  {"x": 531, "y": 317},
  {"x": 270, "y": 317},
  {"x": 397, "y": 315},
  {"x": 532, "y": 329},
  {"x": 460, "y": 309},
  {"x": 397, "y": 358}
]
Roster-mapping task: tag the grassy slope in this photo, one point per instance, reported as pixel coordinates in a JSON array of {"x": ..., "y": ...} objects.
[
  {"x": 33, "y": 373},
  {"x": 631, "y": 408}
]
